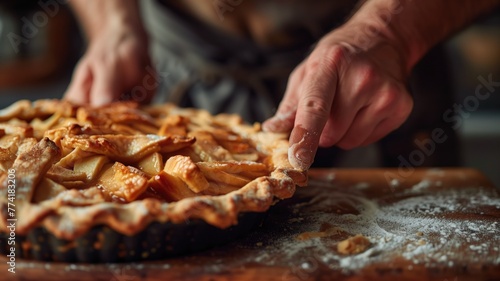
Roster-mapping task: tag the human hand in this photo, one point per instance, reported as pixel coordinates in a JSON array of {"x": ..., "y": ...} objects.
[
  {"x": 347, "y": 93},
  {"x": 116, "y": 66}
]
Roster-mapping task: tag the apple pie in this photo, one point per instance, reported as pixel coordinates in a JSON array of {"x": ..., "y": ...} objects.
[{"x": 68, "y": 171}]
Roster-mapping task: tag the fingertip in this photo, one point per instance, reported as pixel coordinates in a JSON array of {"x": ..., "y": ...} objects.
[
  {"x": 101, "y": 95},
  {"x": 79, "y": 87},
  {"x": 76, "y": 94},
  {"x": 101, "y": 99},
  {"x": 303, "y": 146},
  {"x": 105, "y": 87},
  {"x": 74, "y": 98},
  {"x": 300, "y": 159}
]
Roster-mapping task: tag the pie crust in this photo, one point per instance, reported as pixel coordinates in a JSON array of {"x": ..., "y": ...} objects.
[{"x": 126, "y": 166}]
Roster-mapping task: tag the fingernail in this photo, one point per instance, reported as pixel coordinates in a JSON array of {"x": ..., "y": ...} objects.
[
  {"x": 301, "y": 158},
  {"x": 303, "y": 148}
]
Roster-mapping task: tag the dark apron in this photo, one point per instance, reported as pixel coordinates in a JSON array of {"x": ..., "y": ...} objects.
[{"x": 202, "y": 67}]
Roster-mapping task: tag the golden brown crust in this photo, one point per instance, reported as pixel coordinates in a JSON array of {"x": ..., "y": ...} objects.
[{"x": 126, "y": 166}]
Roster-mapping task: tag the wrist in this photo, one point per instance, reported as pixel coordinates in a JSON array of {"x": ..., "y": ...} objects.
[
  {"x": 121, "y": 24},
  {"x": 415, "y": 26},
  {"x": 384, "y": 29},
  {"x": 101, "y": 17}
]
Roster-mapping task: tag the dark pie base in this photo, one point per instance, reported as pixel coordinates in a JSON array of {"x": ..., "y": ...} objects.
[{"x": 104, "y": 245}]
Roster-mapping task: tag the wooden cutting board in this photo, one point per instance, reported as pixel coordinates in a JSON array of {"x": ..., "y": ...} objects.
[{"x": 423, "y": 224}]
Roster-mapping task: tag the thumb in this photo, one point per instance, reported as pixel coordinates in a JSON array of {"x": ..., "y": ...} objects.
[
  {"x": 106, "y": 86},
  {"x": 78, "y": 89}
]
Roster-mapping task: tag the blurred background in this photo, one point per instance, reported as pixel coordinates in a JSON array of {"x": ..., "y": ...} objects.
[{"x": 40, "y": 45}]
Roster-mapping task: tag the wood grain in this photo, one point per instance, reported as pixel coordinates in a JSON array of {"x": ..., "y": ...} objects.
[{"x": 273, "y": 251}]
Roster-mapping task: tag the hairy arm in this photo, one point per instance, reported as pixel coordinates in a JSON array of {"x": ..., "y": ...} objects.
[
  {"x": 417, "y": 25},
  {"x": 116, "y": 59},
  {"x": 94, "y": 15},
  {"x": 351, "y": 90}
]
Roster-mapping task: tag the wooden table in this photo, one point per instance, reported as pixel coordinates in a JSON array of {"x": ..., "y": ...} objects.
[{"x": 425, "y": 224}]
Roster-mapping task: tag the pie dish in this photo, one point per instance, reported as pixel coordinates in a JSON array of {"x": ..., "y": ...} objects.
[{"x": 130, "y": 182}]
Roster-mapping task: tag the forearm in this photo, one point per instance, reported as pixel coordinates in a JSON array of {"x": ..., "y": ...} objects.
[
  {"x": 416, "y": 25},
  {"x": 95, "y": 15}
]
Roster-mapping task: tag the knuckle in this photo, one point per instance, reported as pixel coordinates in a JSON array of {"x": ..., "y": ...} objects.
[
  {"x": 106, "y": 62},
  {"x": 297, "y": 73},
  {"x": 396, "y": 101},
  {"x": 334, "y": 54},
  {"x": 315, "y": 105},
  {"x": 365, "y": 77},
  {"x": 326, "y": 59},
  {"x": 389, "y": 99},
  {"x": 312, "y": 65},
  {"x": 101, "y": 64},
  {"x": 367, "y": 74}
]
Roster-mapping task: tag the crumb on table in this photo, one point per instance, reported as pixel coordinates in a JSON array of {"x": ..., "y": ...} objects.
[{"x": 353, "y": 245}]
